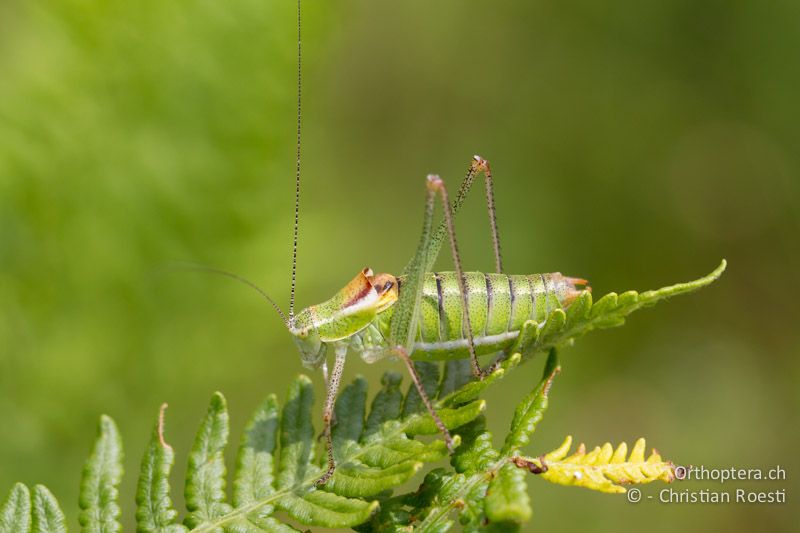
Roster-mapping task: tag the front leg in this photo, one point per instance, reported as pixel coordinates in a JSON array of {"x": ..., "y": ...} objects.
[
  {"x": 327, "y": 414},
  {"x": 324, "y": 368}
]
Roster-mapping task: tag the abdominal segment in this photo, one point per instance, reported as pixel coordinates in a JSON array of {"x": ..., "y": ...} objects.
[{"x": 499, "y": 304}]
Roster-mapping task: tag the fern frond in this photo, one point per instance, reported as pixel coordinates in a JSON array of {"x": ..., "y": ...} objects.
[
  {"x": 562, "y": 327},
  {"x": 205, "y": 476},
  {"x": 254, "y": 463},
  {"x": 99, "y": 494},
  {"x": 484, "y": 487},
  {"x": 155, "y": 511},
  {"x": 46, "y": 513},
  {"x": 530, "y": 410},
  {"x": 603, "y": 469},
  {"x": 373, "y": 449},
  {"x": 15, "y": 514},
  {"x": 507, "y": 497},
  {"x": 21, "y": 513}
]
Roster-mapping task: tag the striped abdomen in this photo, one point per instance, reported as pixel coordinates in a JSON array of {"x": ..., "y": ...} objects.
[{"x": 499, "y": 305}]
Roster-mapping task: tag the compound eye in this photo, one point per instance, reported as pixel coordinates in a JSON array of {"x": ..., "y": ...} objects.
[{"x": 388, "y": 285}]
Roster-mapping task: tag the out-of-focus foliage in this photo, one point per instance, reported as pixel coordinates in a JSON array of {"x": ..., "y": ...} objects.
[{"x": 632, "y": 143}]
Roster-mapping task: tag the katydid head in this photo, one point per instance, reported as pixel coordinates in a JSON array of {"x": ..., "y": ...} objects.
[{"x": 349, "y": 311}]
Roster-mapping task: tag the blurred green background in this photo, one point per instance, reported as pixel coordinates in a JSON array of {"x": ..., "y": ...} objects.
[{"x": 633, "y": 143}]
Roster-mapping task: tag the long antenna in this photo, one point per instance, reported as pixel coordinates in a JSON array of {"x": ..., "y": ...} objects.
[
  {"x": 231, "y": 275},
  {"x": 297, "y": 168}
]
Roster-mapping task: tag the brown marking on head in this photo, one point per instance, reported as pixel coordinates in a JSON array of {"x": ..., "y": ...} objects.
[
  {"x": 358, "y": 288},
  {"x": 388, "y": 289},
  {"x": 381, "y": 287}
]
